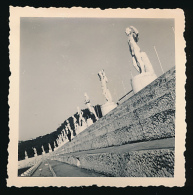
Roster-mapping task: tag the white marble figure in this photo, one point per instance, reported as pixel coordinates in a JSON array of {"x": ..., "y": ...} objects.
[
  {"x": 43, "y": 151},
  {"x": 75, "y": 122},
  {"x": 35, "y": 151},
  {"x": 91, "y": 108},
  {"x": 105, "y": 89},
  {"x": 76, "y": 125},
  {"x": 66, "y": 128},
  {"x": 82, "y": 120},
  {"x": 64, "y": 136},
  {"x": 69, "y": 127},
  {"x": 60, "y": 139},
  {"x": 140, "y": 59},
  {"x": 26, "y": 156},
  {"x": 54, "y": 144},
  {"x": 50, "y": 148}
]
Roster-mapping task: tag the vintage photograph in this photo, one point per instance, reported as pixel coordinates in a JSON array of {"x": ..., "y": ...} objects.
[{"x": 97, "y": 97}]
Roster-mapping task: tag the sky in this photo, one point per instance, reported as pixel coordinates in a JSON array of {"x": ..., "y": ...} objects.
[{"x": 61, "y": 57}]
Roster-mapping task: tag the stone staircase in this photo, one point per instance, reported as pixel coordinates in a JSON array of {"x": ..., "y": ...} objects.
[{"x": 146, "y": 116}]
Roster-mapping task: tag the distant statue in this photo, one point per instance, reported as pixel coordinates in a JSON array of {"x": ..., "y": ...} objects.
[
  {"x": 43, "y": 151},
  {"x": 91, "y": 108},
  {"x": 82, "y": 120},
  {"x": 54, "y": 144},
  {"x": 75, "y": 122},
  {"x": 35, "y": 151},
  {"x": 50, "y": 148},
  {"x": 140, "y": 59},
  {"x": 26, "y": 156},
  {"x": 104, "y": 82},
  {"x": 63, "y": 134},
  {"x": 60, "y": 138},
  {"x": 69, "y": 127},
  {"x": 68, "y": 133}
]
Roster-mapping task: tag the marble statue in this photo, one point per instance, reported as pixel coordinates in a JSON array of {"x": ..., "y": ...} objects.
[
  {"x": 82, "y": 120},
  {"x": 43, "y": 151},
  {"x": 50, "y": 148},
  {"x": 68, "y": 133},
  {"x": 69, "y": 127},
  {"x": 104, "y": 82},
  {"x": 140, "y": 59},
  {"x": 54, "y": 144},
  {"x": 26, "y": 156},
  {"x": 75, "y": 122},
  {"x": 90, "y": 108}
]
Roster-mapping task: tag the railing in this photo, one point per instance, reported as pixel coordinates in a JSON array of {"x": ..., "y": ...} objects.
[
  {"x": 124, "y": 96},
  {"x": 31, "y": 170}
]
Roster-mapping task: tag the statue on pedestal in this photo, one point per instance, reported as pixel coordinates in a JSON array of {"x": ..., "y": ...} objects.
[
  {"x": 140, "y": 59},
  {"x": 75, "y": 124},
  {"x": 82, "y": 121},
  {"x": 68, "y": 133},
  {"x": 54, "y": 145},
  {"x": 26, "y": 156},
  {"x": 109, "y": 105},
  {"x": 90, "y": 108},
  {"x": 50, "y": 148},
  {"x": 69, "y": 127},
  {"x": 35, "y": 151},
  {"x": 105, "y": 89},
  {"x": 43, "y": 151}
]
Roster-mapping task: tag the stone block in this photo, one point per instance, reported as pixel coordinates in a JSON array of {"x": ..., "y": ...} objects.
[{"x": 160, "y": 104}]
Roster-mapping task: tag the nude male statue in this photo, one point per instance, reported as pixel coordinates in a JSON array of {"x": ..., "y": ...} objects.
[
  {"x": 140, "y": 59},
  {"x": 105, "y": 89},
  {"x": 81, "y": 118}
]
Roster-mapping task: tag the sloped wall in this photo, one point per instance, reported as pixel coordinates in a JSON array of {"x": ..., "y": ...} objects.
[{"x": 148, "y": 115}]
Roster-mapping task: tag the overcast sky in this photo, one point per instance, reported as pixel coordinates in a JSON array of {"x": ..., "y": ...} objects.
[{"x": 61, "y": 57}]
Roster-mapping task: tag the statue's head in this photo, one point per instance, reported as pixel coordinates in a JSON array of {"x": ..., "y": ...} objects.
[
  {"x": 132, "y": 30},
  {"x": 128, "y": 31}
]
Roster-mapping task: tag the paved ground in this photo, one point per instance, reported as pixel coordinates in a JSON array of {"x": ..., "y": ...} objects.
[
  {"x": 43, "y": 170},
  {"x": 61, "y": 169},
  {"x": 50, "y": 168}
]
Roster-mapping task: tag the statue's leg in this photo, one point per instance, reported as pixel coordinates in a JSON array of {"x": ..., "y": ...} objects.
[
  {"x": 93, "y": 111},
  {"x": 135, "y": 64},
  {"x": 137, "y": 54},
  {"x": 148, "y": 65}
]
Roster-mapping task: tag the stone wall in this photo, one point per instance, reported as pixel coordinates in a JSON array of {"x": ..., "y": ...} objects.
[
  {"x": 143, "y": 163},
  {"x": 147, "y": 115}
]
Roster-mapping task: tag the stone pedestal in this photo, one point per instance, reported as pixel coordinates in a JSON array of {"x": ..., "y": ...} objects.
[
  {"x": 89, "y": 122},
  {"x": 82, "y": 128},
  {"x": 142, "y": 80},
  {"x": 107, "y": 107}
]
